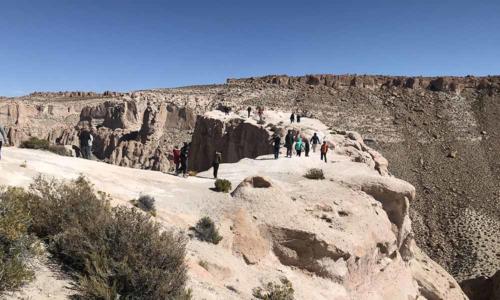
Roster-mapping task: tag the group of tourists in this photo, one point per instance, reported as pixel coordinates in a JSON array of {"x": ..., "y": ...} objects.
[
  {"x": 299, "y": 144},
  {"x": 181, "y": 159},
  {"x": 294, "y": 117}
]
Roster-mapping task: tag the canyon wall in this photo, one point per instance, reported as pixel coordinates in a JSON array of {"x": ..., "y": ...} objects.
[{"x": 442, "y": 134}]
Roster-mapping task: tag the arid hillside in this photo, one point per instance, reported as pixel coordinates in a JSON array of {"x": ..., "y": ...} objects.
[{"x": 440, "y": 134}]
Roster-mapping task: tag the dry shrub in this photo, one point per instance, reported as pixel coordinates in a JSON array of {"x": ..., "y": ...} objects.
[
  {"x": 315, "y": 173},
  {"x": 17, "y": 246},
  {"x": 41, "y": 144},
  {"x": 223, "y": 185},
  {"x": 115, "y": 252},
  {"x": 275, "y": 291},
  {"x": 35, "y": 143},
  {"x": 146, "y": 203},
  {"x": 206, "y": 231},
  {"x": 60, "y": 150}
]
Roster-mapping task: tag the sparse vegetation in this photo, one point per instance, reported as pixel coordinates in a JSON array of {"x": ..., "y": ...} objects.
[
  {"x": 146, "y": 203},
  {"x": 275, "y": 291},
  {"x": 17, "y": 246},
  {"x": 223, "y": 185},
  {"x": 114, "y": 252},
  {"x": 35, "y": 143},
  {"x": 59, "y": 149},
  {"x": 315, "y": 173},
  {"x": 206, "y": 231},
  {"x": 41, "y": 144},
  {"x": 203, "y": 264}
]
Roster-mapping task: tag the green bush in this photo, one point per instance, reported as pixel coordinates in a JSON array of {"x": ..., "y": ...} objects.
[
  {"x": 115, "y": 252},
  {"x": 315, "y": 174},
  {"x": 223, "y": 185},
  {"x": 17, "y": 246},
  {"x": 275, "y": 291},
  {"x": 35, "y": 143},
  {"x": 146, "y": 203},
  {"x": 206, "y": 231}
]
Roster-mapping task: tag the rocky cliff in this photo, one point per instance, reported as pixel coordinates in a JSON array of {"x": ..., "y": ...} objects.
[
  {"x": 347, "y": 236},
  {"x": 440, "y": 133}
]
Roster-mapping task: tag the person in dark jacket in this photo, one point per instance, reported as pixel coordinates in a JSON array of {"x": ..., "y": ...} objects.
[
  {"x": 277, "y": 145},
  {"x": 85, "y": 138},
  {"x": 315, "y": 141},
  {"x": 184, "y": 159},
  {"x": 292, "y": 118},
  {"x": 249, "y": 110},
  {"x": 306, "y": 147},
  {"x": 177, "y": 159},
  {"x": 289, "y": 143},
  {"x": 298, "y": 118},
  {"x": 3, "y": 139},
  {"x": 217, "y": 161}
]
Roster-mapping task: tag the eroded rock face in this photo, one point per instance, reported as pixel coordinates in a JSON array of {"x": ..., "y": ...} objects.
[
  {"x": 482, "y": 288},
  {"x": 339, "y": 245},
  {"x": 234, "y": 138}
]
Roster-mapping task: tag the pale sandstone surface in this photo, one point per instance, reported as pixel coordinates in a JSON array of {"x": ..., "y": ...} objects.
[{"x": 345, "y": 237}]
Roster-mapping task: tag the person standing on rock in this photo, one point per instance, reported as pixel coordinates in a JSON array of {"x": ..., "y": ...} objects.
[
  {"x": 260, "y": 111},
  {"x": 249, "y": 110},
  {"x": 85, "y": 138},
  {"x": 299, "y": 146},
  {"x": 324, "y": 150},
  {"x": 306, "y": 147},
  {"x": 315, "y": 141},
  {"x": 298, "y": 118},
  {"x": 177, "y": 159},
  {"x": 217, "y": 161},
  {"x": 289, "y": 143},
  {"x": 277, "y": 145},
  {"x": 292, "y": 118},
  {"x": 3, "y": 139},
  {"x": 184, "y": 159}
]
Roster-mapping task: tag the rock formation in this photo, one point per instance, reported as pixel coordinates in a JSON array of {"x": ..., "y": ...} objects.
[
  {"x": 415, "y": 122},
  {"x": 347, "y": 236}
]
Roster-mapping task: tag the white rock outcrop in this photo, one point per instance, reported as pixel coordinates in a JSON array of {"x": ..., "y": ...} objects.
[{"x": 347, "y": 236}]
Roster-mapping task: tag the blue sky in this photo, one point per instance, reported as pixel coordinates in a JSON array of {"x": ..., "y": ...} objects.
[{"x": 123, "y": 45}]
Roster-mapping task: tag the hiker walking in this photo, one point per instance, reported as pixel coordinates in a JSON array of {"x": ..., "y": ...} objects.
[
  {"x": 177, "y": 159},
  {"x": 249, "y": 110},
  {"x": 324, "y": 150},
  {"x": 289, "y": 143},
  {"x": 299, "y": 146},
  {"x": 217, "y": 161},
  {"x": 184, "y": 159},
  {"x": 3, "y": 139},
  {"x": 298, "y": 118},
  {"x": 86, "y": 139},
  {"x": 292, "y": 118},
  {"x": 306, "y": 147},
  {"x": 277, "y": 142},
  {"x": 315, "y": 141}
]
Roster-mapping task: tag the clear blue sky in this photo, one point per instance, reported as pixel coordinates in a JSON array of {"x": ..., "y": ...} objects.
[{"x": 125, "y": 45}]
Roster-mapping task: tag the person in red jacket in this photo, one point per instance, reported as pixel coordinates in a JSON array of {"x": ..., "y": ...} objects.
[
  {"x": 177, "y": 159},
  {"x": 324, "y": 150}
]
